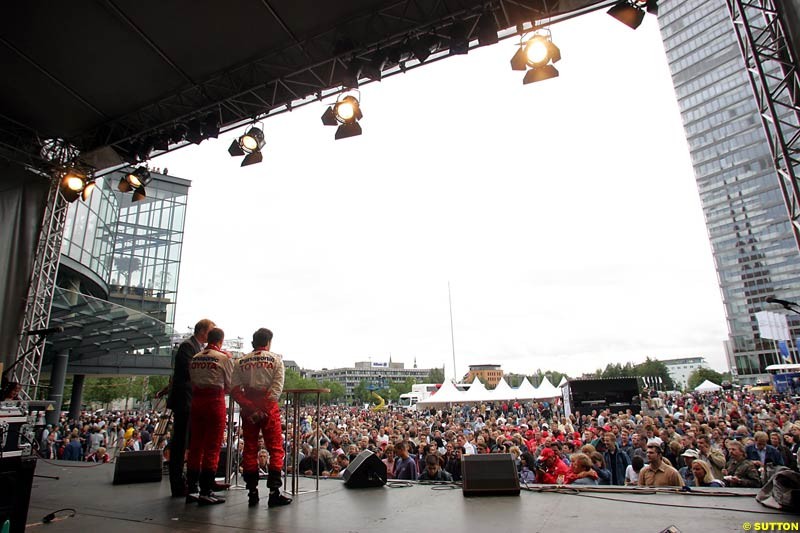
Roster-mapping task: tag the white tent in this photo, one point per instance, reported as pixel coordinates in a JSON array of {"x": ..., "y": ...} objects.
[
  {"x": 503, "y": 391},
  {"x": 707, "y": 386},
  {"x": 447, "y": 393},
  {"x": 562, "y": 382},
  {"x": 546, "y": 390},
  {"x": 526, "y": 390},
  {"x": 477, "y": 392}
]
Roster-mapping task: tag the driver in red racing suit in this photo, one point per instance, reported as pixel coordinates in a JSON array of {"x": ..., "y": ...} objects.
[
  {"x": 210, "y": 372},
  {"x": 257, "y": 384}
]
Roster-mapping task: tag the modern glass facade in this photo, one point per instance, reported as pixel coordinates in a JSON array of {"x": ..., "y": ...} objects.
[
  {"x": 128, "y": 253},
  {"x": 748, "y": 225},
  {"x": 147, "y": 251}
]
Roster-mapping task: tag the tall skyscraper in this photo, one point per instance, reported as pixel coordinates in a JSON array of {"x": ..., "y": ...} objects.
[{"x": 751, "y": 238}]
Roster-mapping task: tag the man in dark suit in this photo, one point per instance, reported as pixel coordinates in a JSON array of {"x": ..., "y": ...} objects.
[
  {"x": 762, "y": 453},
  {"x": 180, "y": 401}
]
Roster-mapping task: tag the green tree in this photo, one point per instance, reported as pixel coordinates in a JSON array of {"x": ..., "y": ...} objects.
[
  {"x": 337, "y": 391},
  {"x": 436, "y": 375},
  {"x": 104, "y": 390},
  {"x": 361, "y": 391},
  {"x": 654, "y": 367},
  {"x": 405, "y": 386},
  {"x": 702, "y": 374}
]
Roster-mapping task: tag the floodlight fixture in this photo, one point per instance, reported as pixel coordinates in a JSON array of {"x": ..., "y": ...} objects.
[
  {"x": 73, "y": 182},
  {"x": 249, "y": 145},
  {"x": 87, "y": 190},
  {"x": 459, "y": 39},
  {"x": 136, "y": 178},
  {"x": 487, "y": 29},
  {"x": 344, "y": 113},
  {"x": 631, "y": 12},
  {"x": 537, "y": 55}
]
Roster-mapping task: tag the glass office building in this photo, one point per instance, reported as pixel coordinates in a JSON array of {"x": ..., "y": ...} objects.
[{"x": 748, "y": 224}]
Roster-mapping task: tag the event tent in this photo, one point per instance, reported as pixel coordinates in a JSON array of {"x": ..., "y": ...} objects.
[
  {"x": 447, "y": 393},
  {"x": 503, "y": 391},
  {"x": 477, "y": 392},
  {"x": 707, "y": 386},
  {"x": 526, "y": 390},
  {"x": 546, "y": 390}
]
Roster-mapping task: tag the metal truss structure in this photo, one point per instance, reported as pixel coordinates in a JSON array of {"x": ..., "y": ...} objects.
[
  {"x": 772, "y": 68},
  {"x": 365, "y": 49},
  {"x": 40, "y": 291}
]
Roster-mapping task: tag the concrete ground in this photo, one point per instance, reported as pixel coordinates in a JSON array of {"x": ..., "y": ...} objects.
[{"x": 144, "y": 508}]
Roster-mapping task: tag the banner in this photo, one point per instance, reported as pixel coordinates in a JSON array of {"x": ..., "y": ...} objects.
[{"x": 773, "y": 326}]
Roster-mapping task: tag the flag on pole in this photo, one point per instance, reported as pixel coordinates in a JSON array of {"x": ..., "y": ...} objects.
[{"x": 783, "y": 347}]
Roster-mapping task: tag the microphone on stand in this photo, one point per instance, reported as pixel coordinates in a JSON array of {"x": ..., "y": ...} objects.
[
  {"x": 45, "y": 331},
  {"x": 785, "y": 303}
]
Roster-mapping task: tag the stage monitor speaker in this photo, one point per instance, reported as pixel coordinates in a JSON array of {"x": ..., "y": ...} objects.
[
  {"x": 366, "y": 470},
  {"x": 138, "y": 467},
  {"x": 16, "y": 479},
  {"x": 493, "y": 474}
]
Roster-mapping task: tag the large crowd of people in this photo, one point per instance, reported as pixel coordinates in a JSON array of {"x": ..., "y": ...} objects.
[
  {"x": 721, "y": 439},
  {"x": 732, "y": 438}
]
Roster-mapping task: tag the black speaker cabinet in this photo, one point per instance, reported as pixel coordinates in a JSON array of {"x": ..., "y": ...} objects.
[
  {"x": 16, "y": 478},
  {"x": 138, "y": 467},
  {"x": 493, "y": 474},
  {"x": 366, "y": 470}
]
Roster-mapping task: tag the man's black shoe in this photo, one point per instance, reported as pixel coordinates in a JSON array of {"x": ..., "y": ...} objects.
[
  {"x": 252, "y": 498},
  {"x": 276, "y": 499},
  {"x": 210, "y": 499},
  {"x": 192, "y": 498}
]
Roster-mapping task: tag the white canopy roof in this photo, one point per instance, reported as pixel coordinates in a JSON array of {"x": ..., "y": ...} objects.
[
  {"x": 546, "y": 390},
  {"x": 526, "y": 390},
  {"x": 562, "y": 382},
  {"x": 707, "y": 386},
  {"x": 447, "y": 393},
  {"x": 503, "y": 391},
  {"x": 477, "y": 392}
]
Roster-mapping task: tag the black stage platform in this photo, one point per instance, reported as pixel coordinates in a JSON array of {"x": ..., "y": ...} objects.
[{"x": 145, "y": 508}]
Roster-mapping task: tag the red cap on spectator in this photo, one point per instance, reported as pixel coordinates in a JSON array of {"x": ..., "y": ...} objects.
[
  {"x": 606, "y": 428},
  {"x": 529, "y": 433},
  {"x": 546, "y": 454}
]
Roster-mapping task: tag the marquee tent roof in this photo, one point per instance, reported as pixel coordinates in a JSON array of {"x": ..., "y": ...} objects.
[
  {"x": 707, "y": 386},
  {"x": 547, "y": 390},
  {"x": 447, "y": 393}
]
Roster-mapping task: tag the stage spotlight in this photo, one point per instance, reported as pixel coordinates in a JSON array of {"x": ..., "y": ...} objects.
[
  {"x": 73, "y": 182},
  {"x": 459, "y": 40},
  {"x": 139, "y": 194},
  {"x": 249, "y": 145},
  {"x": 421, "y": 47},
  {"x": 346, "y": 113},
  {"x": 87, "y": 190},
  {"x": 487, "y": 29},
  {"x": 631, "y": 12},
  {"x": 537, "y": 53},
  {"x": 138, "y": 177},
  {"x": 194, "y": 132}
]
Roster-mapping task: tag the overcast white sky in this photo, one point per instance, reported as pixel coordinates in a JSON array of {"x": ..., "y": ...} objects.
[{"x": 564, "y": 214}]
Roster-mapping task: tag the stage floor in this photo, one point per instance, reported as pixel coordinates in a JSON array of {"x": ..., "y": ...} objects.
[{"x": 101, "y": 506}]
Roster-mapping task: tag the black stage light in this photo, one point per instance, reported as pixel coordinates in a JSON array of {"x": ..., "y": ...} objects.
[
  {"x": 537, "y": 53},
  {"x": 629, "y": 12},
  {"x": 135, "y": 179},
  {"x": 73, "y": 182},
  {"x": 373, "y": 69},
  {"x": 210, "y": 126},
  {"x": 421, "y": 47},
  {"x": 346, "y": 113},
  {"x": 459, "y": 40},
  {"x": 487, "y": 29},
  {"x": 161, "y": 142},
  {"x": 652, "y": 7},
  {"x": 87, "y": 190},
  {"x": 138, "y": 194},
  {"x": 249, "y": 145},
  {"x": 194, "y": 132}
]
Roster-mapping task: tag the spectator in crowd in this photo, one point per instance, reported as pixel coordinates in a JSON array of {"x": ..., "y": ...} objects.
[
  {"x": 740, "y": 471},
  {"x": 582, "y": 471},
  {"x": 701, "y": 475},
  {"x": 263, "y": 463},
  {"x": 453, "y": 464},
  {"x": 633, "y": 470},
  {"x": 550, "y": 469},
  {"x": 711, "y": 455},
  {"x": 388, "y": 460},
  {"x": 404, "y": 465},
  {"x": 789, "y": 459},
  {"x": 527, "y": 468},
  {"x": 615, "y": 459},
  {"x": 686, "y": 472},
  {"x": 657, "y": 473},
  {"x": 314, "y": 464},
  {"x": 433, "y": 470},
  {"x": 761, "y": 453},
  {"x": 73, "y": 450},
  {"x": 99, "y": 456},
  {"x": 599, "y": 466}
]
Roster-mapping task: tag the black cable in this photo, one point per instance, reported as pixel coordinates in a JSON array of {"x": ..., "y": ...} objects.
[{"x": 46, "y": 519}]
